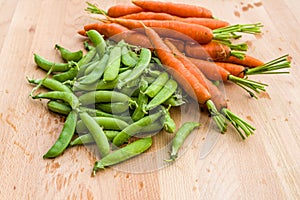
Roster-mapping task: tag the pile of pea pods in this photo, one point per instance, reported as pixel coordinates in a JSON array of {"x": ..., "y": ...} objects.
[{"x": 114, "y": 96}]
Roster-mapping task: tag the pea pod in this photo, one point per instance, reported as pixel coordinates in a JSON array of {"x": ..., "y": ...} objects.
[
  {"x": 47, "y": 65},
  {"x": 180, "y": 137},
  {"x": 88, "y": 138},
  {"x": 98, "y": 41},
  {"x": 68, "y": 55},
  {"x": 105, "y": 122},
  {"x": 133, "y": 149},
  {"x": 138, "y": 70},
  {"x": 97, "y": 133},
  {"x": 113, "y": 65},
  {"x": 134, "y": 128},
  {"x": 142, "y": 101},
  {"x": 51, "y": 84},
  {"x": 59, "y": 107},
  {"x": 65, "y": 76},
  {"x": 99, "y": 113},
  {"x": 157, "y": 85},
  {"x": 65, "y": 136},
  {"x": 166, "y": 92},
  {"x": 96, "y": 73},
  {"x": 68, "y": 97},
  {"x": 126, "y": 59},
  {"x": 113, "y": 108},
  {"x": 168, "y": 122}
]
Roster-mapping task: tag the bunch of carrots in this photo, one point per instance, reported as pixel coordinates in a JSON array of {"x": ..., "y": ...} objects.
[{"x": 197, "y": 49}]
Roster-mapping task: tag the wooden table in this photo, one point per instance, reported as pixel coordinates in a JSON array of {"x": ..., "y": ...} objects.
[{"x": 265, "y": 166}]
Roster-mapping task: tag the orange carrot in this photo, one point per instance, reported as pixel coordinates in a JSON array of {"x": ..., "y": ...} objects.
[
  {"x": 118, "y": 32},
  {"x": 248, "y": 61},
  {"x": 233, "y": 69},
  {"x": 177, "y": 9},
  {"x": 208, "y": 22},
  {"x": 123, "y": 9},
  {"x": 170, "y": 28}
]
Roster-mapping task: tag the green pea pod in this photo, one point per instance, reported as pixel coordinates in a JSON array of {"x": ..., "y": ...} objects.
[
  {"x": 142, "y": 101},
  {"x": 182, "y": 133},
  {"x": 47, "y": 65},
  {"x": 88, "y": 57},
  {"x": 166, "y": 92},
  {"x": 51, "y": 84},
  {"x": 134, "y": 128},
  {"x": 114, "y": 108},
  {"x": 105, "y": 122},
  {"x": 168, "y": 122},
  {"x": 126, "y": 59},
  {"x": 99, "y": 113},
  {"x": 68, "y": 55},
  {"x": 157, "y": 85},
  {"x": 174, "y": 100},
  {"x": 103, "y": 96},
  {"x": 138, "y": 70},
  {"x": 67, "y": 97},
  {"x": 65, "y": 136},
  {"x": 59, "y": 107},
  {"x": 113, "y": 65},
  {"x": 96, "y": 73},
  {"x": 66, "y": 76},
  {"x": 98, "y": 41},
  {"x": 88, "y": 138},
  {"x": 133, "y": 149},
  {"x": 97, "y": 133}
]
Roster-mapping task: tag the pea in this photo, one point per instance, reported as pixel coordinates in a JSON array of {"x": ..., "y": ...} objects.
[
  {"x": 113, "y": 108},
  {"x": 51, "y": 84},
  {"x": 133, "y": 149},
  {"x": 88, "y": 138},
  {"x": 134, "y": 128},
  {"x": 112, "y": 70},
  {"x": 47, "y": 65},
  {"x": 142, "y": 101},
  {"x": 97, "y": 133},
  {"x": 166, "y": 92},
  {"x": 180, "y": 137},
  {"x": 59, "y": 107},
  {"x": 98, "y": 41},
  {"x": 65, "y": 76},
  {"x": 65, "y": 136},
  {"x": 157, "y": 85},
  {"x": 168, "y": 122},
  {"x": 126, "y": 59},
  {"x": 67, "y": 55},
  {"x": 99, "y": 113},
  {"x": 103, "y": 96}
]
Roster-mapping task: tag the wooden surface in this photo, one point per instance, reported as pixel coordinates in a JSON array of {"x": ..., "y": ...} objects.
[{"x": 265, "y": 166}]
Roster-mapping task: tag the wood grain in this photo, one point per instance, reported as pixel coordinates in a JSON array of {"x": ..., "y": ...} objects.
[{"x": 265, "y": 166}]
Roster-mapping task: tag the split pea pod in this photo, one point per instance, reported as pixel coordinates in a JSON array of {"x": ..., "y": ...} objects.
[
  {"x": 67, "y": 97},
  {"x": 47, "y": 65},
  {"x": 68, "y": 55},
  {"x": 113, "y": 65},
  {"x": 133, "y": 149},
  {"x": 98, "y": 41},
  {"x": 138, "y": 70},
  {"x": 96, "y": 73},
  {"x": 166, "y": 92},
  {"x": 135, "y": 127},
  {"x": 179, "y": 138},
  {"x": 59, "y": 107},
  {"x": 51, "y": 84},
  {"x": 65, "y": 136},
  {"x": 97, "y": 133},
  {"x": 157, "y": 85},
  {"x": 126, "y": 59},
  {"x": 105, "y": 122}
]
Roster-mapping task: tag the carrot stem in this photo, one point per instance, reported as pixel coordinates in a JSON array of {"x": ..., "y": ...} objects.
[
  {"x": 270, "y": 67},
  {"x": 248, "y": 84},
  {"x": 92, "y": 8},
  {"x": 242, "y": 127},
  {"x": 217, "y": 117}
]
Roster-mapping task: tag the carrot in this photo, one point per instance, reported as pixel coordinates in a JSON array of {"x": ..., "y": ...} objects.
[
  {"x": 177, "y": 9},
  {"x": 216, "y": 95},
  {"x": 123, "y": 9},
  {"x": 247, "y": 61},
  {"x": 208, "y": 22},
  {"x": 118, "y": 32},
  {"x": 184, "y": 77}
]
